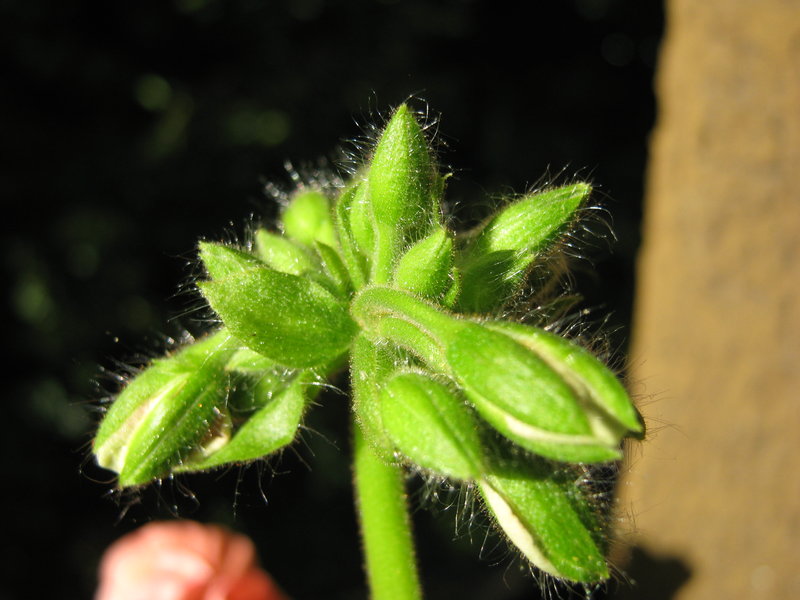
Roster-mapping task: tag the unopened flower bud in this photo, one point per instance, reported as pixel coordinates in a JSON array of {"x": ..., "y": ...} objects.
[
  {"x": 402, "y": 182},
  {"x": 498, "y": 257},
  {"x": 401, "y": 174},
  {"x": 547, "y": 517},
  {"x": 175, "y": 408},
  {"x": 431, "y": 425},
  {"x": 541, "y": 392},
  {"x": 604, "y": 399},
  {"x": 277, "y": 399}
]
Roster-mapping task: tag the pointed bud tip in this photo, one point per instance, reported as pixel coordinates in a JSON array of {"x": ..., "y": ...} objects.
[{"x": 401, "y": 110}]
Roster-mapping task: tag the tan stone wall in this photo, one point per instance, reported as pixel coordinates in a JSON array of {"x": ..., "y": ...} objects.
[{"x": 716, "y": 349}]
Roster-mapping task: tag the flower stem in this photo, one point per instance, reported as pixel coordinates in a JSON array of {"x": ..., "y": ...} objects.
[{"x": 385, "y": 525}]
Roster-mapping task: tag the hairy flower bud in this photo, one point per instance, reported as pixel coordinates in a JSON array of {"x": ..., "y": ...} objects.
[
  {"x": 425, "y": 267},
  {"x": 401, "y": 175},
  {"x": 173, "y": 409},
  {"x": 402, "y": 190},
  {"x": 545, "y": 394},
  {"x": 547, "y": 517},
  {"x": 430, "y": 424},
  {"x": 206, "y": 406},
  {"x": 498, "y": 256},
  {"x": 604, "y": 399},
  {"x": 548, "y": 396}
]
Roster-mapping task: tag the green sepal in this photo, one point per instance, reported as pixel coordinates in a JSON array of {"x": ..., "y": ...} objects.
[
  {"x": 361, "y": 221},
  {"x": 255, "y": 380},
  {"x": 274, "y": 251},
  {"x": 532, "y": 223},
  {"x": 499, "y": 254},
  {"x": 221, "y": 261},
  {"x": 250, "y": 392},
  {"x": 307, "y": 218},
  {"x": 355, "y": 261},
  {"x": 292, "y": 320},
  {"x": 335, "y": 268},
  {"x": 495, "y": 370},
  {"x": 546, "y": 516},
  {"x": 430, "y": 424},
  {"x": 284, "y": 255},
  {"x": 450, "y": 298},
  {"x": 610, "y": 409},
  {"x": 269, "y": 429},
  {"x": 524, "y": 398},
  {"x": 425, "y": 267},
  {"x": 173, "y": 408},
  {"x": 573, "y": 449}
]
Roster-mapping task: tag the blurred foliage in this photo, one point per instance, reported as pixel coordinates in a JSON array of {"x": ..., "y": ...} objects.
[{"x": 130, "y": 129}]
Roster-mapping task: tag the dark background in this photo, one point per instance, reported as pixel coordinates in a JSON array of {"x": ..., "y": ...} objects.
[{"x": 131, "y": 129}]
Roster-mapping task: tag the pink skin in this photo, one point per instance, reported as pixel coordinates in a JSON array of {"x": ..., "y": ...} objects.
[{"x": 183, "y": 560}]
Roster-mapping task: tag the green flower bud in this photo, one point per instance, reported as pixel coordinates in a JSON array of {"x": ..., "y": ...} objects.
[
  {"x": 431, "y": 425},
  {"x": 401, "y": 175},
  {"x": 546, "y": 517},
  {"x": 532, "y": 223},
  {"x": 401, "y": 179},
  {"x": 602, "y": 396},
  {"x": 528, "y": 401},
  {"x": 175, "y": 409},
  {"x": 352, "y": 255},
  {"x": 425, "y": 267},
  {"x": 546, "y": 395},
  {"x": 266, "y": 403},
  {"x": 497, "y": 259},
  {"x": 307, "y": 218},
  {"x": 290, "y": 319}
]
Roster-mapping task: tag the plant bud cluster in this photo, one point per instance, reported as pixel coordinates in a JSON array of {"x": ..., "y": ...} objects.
[{"x": 372, "y": 277}]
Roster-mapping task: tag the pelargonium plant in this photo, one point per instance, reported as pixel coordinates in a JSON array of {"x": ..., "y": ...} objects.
[{"x": 370, "y": 278}]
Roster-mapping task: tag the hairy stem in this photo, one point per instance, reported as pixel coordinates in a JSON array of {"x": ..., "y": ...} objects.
[{"x": 385, "y": 526}]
